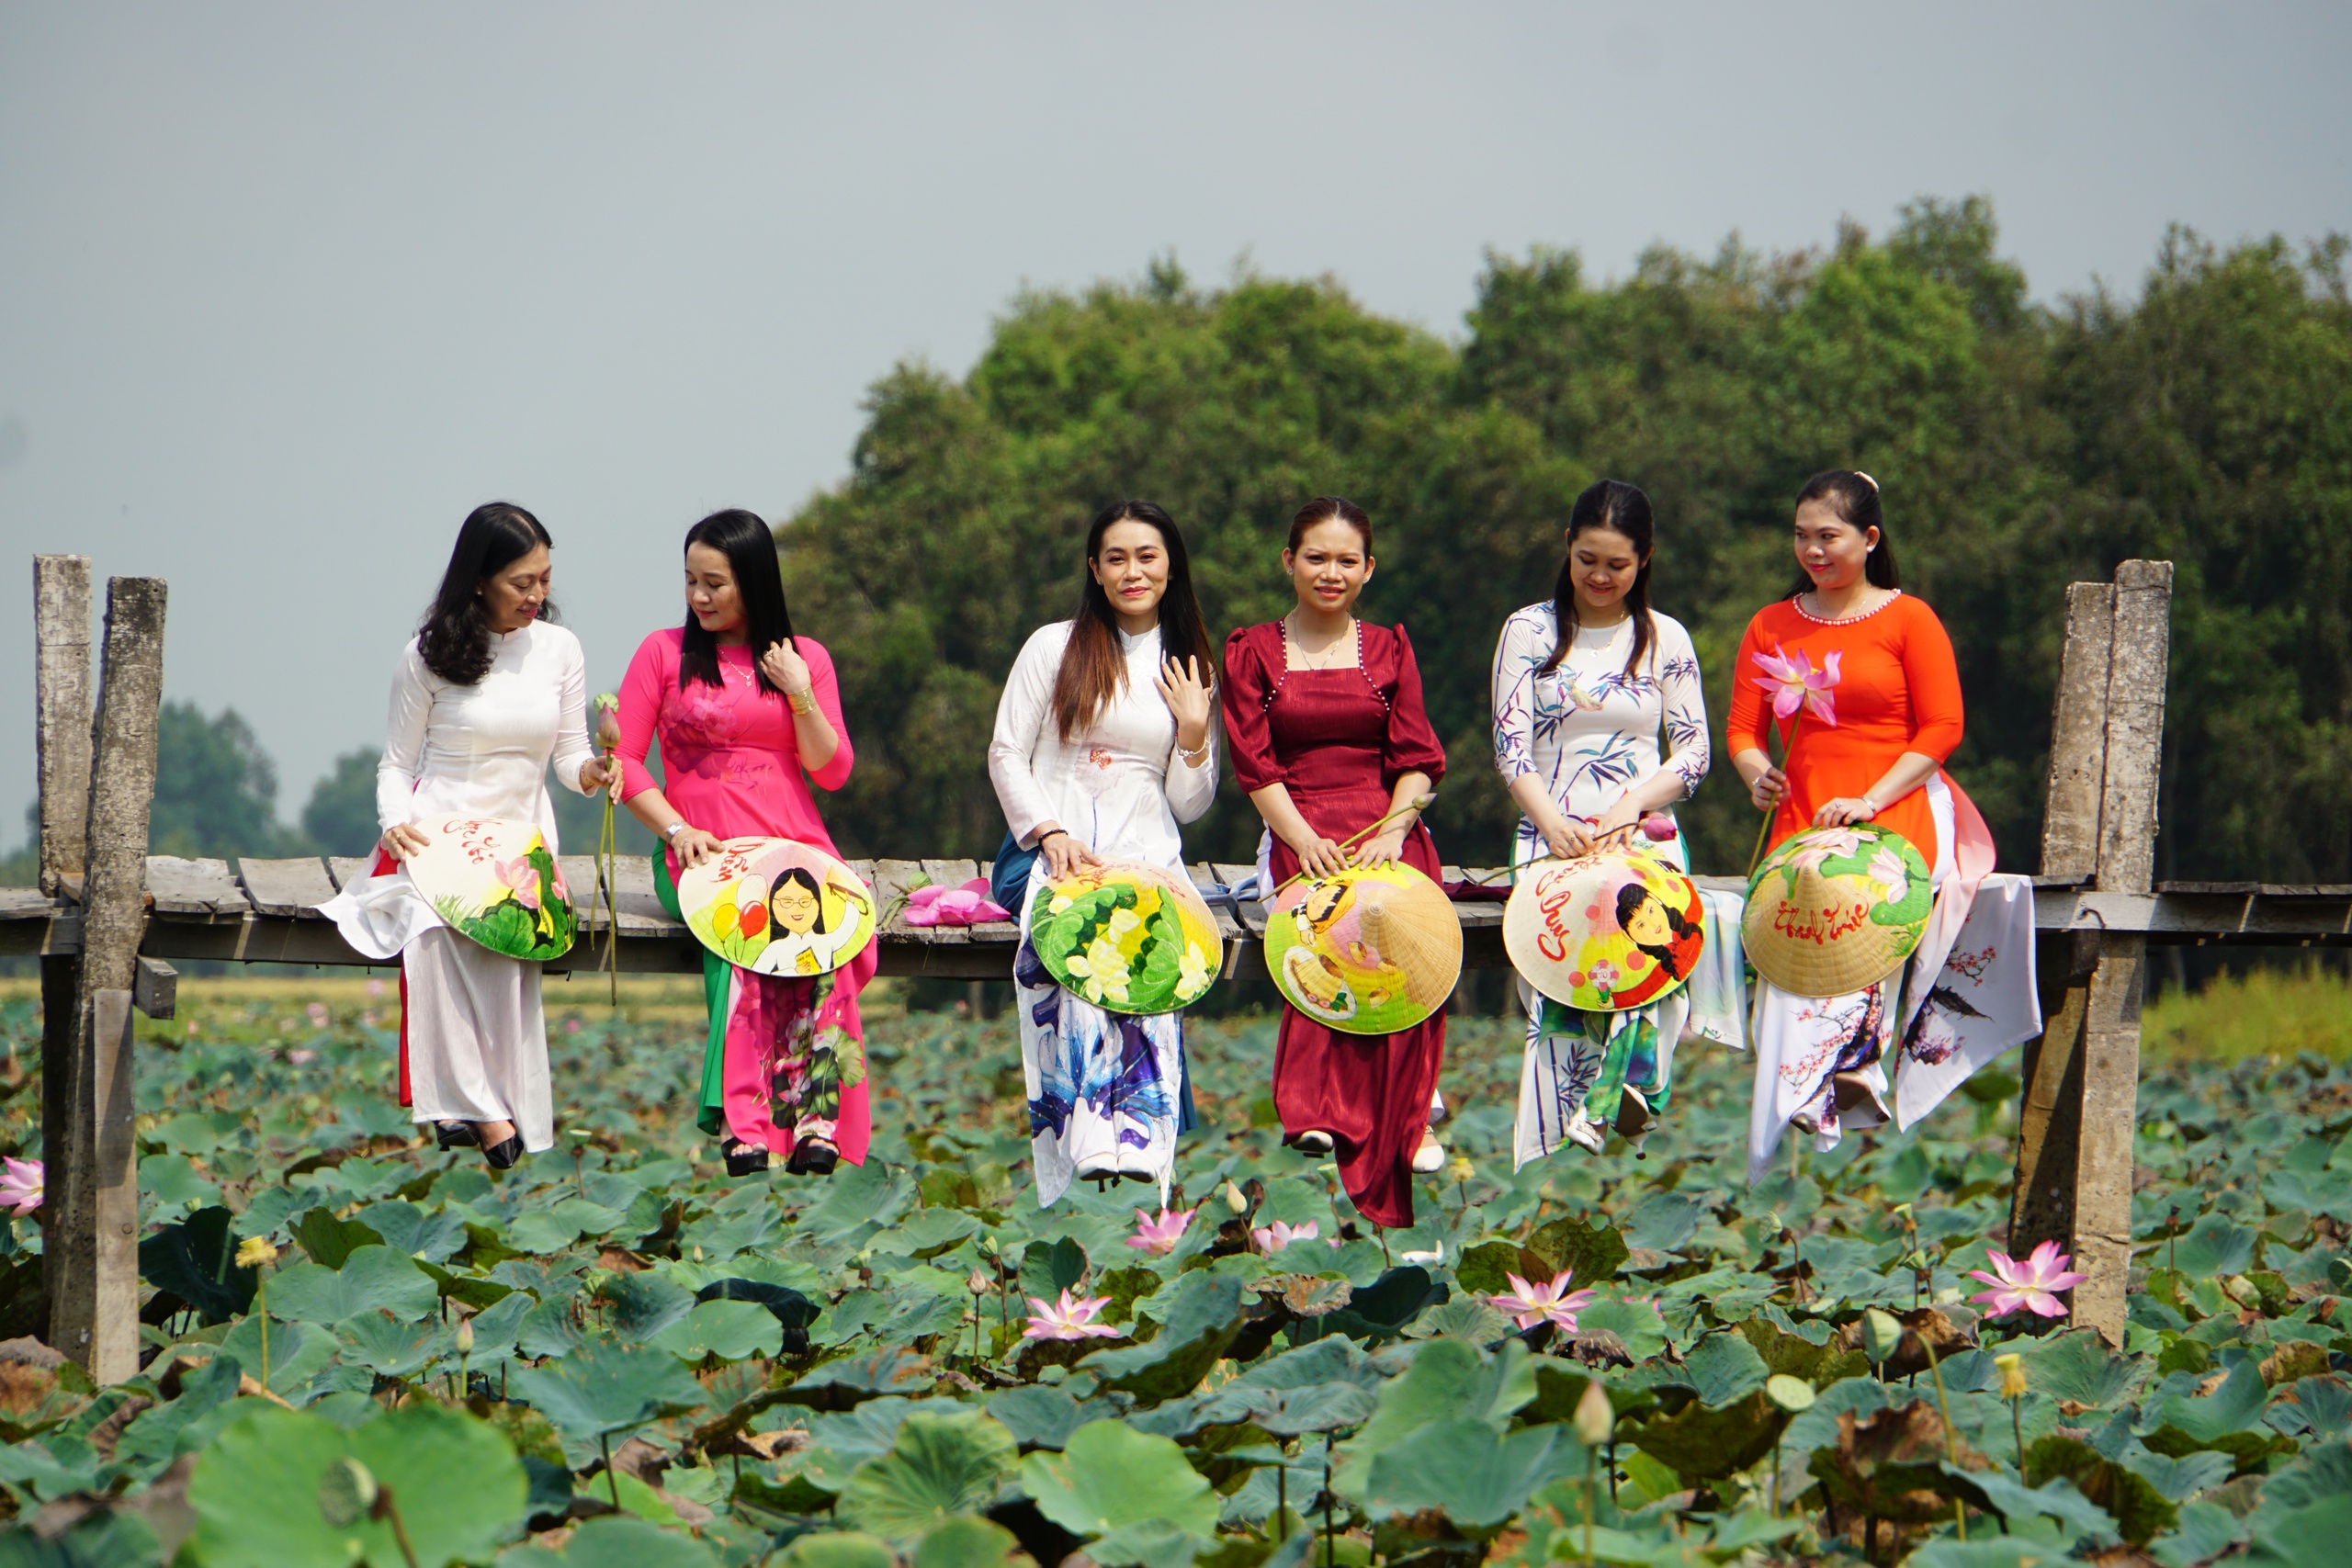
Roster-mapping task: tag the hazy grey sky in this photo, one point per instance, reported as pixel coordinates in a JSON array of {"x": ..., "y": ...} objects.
[{"x": 286, "y": 289}]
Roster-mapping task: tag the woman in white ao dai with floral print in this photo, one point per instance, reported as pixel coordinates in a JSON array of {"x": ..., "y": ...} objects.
[
  {"x": 1576, "y": 741},
  {"x": 1105, "y": 740}
]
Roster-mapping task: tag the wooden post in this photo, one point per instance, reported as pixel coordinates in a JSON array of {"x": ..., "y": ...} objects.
[
  {"x": 2080, "y": 1109},
  {"x": 94, "y": 1304},
  {"x": 62, "y": 742}
]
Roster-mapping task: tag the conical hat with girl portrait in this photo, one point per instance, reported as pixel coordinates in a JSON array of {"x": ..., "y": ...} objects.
[
  {"x": 1605, "y": 933},
  {"x": 1368, "y": 951},
  {"x": 777, "y": 906}
]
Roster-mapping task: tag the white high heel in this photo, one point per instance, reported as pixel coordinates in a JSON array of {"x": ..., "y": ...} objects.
[{"x": 1429, "y": 1158}]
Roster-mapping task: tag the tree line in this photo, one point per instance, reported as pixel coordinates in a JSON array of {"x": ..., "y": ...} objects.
[{"x": 2021, "y": 446}]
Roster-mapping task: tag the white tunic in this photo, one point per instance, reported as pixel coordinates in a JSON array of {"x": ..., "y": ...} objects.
[{"x": 1119, "y": 788}]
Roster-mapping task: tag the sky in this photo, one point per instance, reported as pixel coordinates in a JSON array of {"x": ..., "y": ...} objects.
[{"x": 284, "y": 291}]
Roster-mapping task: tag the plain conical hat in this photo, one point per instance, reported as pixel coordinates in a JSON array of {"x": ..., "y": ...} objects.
[{"x": 1833, "y": 910}]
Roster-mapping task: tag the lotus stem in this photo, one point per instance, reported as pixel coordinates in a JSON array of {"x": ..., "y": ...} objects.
[
  {"x": 1764, "y": 828},
  {"x": 1952, "y": 1452},
  {"x": 1418, "y": 803},
  {"x": 387, "y": 1511},
  {"x": 261, "y": 1305},
  {"x": 612, "y": 1482}
]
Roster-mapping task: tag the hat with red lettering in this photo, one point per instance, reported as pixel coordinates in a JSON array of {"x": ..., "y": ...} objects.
[
  {"x": 1833, "y": 910},
  {"x": 1606, "y": 933}
]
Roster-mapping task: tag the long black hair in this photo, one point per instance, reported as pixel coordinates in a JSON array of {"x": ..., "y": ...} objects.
[
  {"x": 1093, "y": 671},
  {"x": 751, "y": 555},
  {"x": 1605, "y": 503},
  {"x": 1853, "y": 496},
  {"x": 807, "y": 879},
  {"x": 454, "y": 641},
  {"x": 1629, "y": 898}
]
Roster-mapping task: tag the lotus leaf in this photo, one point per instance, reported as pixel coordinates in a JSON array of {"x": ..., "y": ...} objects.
[{"x": 940, "y": 1466}]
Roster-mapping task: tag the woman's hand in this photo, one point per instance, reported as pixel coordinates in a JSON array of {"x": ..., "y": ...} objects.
[
  {"x": 1380, "y": 849},
  {"x": 1319, "y": 856},
  {"x": 1844, "y": 811},
  {"x": 1570, "y": 838},
  {"x": 786, "y": 670},
  {"x": 401, "y": 841},
  {"x": 1063, "y": 855},
  {"x": 1187, "y": 696},
  {"x": 692, "y": 846},
  {"x": 597, "y": 774},
  {"x": 1767, "y": 788}
]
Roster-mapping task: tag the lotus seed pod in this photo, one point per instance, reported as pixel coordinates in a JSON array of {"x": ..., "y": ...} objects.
[
  {"x": 1594, "y": 1420},
  {"x": 347, "y": 1493}
]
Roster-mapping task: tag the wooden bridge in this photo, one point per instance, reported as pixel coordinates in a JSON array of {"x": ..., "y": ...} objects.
[{"x": 108, "y": 920}]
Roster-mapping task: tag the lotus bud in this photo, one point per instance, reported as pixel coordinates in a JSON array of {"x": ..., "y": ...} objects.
[
  {"x": 1594, "y": 1420},
  {"x": 608, "y": 723},
  {"x": 1424, "y": 800},
  {"x": 464, "y": 1337},
  {"x": 1881, "y": 1334},
  {"x": 1789, "y": 1394},
  {"x": 2012, "y": 1375},
  {"x": 254, "y": 1251},
  {"x": 1233, "y": 1200},
  {"x": 978, "y": 1284},
  {"x": 1658, "y": 827}
]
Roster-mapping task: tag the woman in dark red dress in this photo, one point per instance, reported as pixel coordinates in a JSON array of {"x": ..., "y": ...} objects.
[{"x": 1329, "y": 736}]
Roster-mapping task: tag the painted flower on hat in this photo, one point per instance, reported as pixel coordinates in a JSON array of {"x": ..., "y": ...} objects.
[
  {"x": 1792, "y": 681},
  {"x": 1887, "y": 869}
]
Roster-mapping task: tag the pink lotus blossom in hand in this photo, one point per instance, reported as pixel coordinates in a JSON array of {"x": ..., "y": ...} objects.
[
  {"x": 1067, "y": 1319},
  {"x": 1552, "y": 1302},
  {"x": 1273, "y": 1238},
  {"x": 21, "y": 1188},
  {"x": 1159, "y": 1236},
  {"x": 1792, "y": 681},
  {"x": 519, "y": 877},
  {"x": 2033, "y": 1284}
]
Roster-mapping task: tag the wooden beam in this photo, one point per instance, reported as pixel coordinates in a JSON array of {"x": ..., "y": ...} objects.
[
  {"x": 2127, "y": 858},
  {"x": 94, "y": 1302},
  {"x": 2077, "y": 783},
  {"x": 61, "y": 698}
]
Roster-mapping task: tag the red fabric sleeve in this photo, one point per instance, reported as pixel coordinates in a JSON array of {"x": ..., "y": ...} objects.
[
  {"x": 1932, "y": 676},
  {"x": 1412, "y": 746},
  {"x": 1242, "y": 696},
  {"x": 827, "y": 688},
  {"x": 1744, "y": 728},
  {"x": 652, "y": 671}
]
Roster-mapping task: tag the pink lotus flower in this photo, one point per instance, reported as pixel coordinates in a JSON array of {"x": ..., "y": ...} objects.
[
  {"x": 21, "y": 1188},
  {"x": 1554, "y": 1302},
  {"x": 1792, "y": 681},
  {"x": 1067, "y": 1319},
  {"x": 1887, "y": 867},
  {"x": 2033, "y": 1284},
  {"x": 967, "y": 906},
  {"x": 317, "y": 1013},
  {"x": 1658, "y": 827},
  {"x": 1159, "y": 1236},
  {"x": 1273, "y": 1238},
  {"x": 1824, "y": 843},
  {"x": 374, "y": 988},
  {"x": 555, "y": 881},
  {"x": 520, "y": 878}
]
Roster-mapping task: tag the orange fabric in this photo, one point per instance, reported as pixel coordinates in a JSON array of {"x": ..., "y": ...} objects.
[{"x": 1897, "y": 691}]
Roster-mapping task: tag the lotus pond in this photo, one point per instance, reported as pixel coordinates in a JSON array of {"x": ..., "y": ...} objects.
[{"x": 615, "y": 1355}]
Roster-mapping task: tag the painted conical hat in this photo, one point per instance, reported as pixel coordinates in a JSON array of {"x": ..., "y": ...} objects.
[
  {"x": 1370, "y": 951},
  {"x": 1833, "y": 910},
  {"x": 1606, "y": 932},
  {"x": 1132, "y": 939},
  {"x": 494, "y": 882},
  {"x": 777, "y": 906}
]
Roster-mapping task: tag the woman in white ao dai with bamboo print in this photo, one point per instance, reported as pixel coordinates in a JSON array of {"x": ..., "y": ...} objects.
[
  {"x": 1105, "y": 740},
  {"x": 1576, "y": 731}
]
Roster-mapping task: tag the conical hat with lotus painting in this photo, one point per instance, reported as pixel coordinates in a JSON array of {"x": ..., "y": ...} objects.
[
  {"x": 1833, "y": 910},
  {"x": 1605, "y": 933},
  {"x": 494, "y": 882},
  {"x": 777, "y": 906}
]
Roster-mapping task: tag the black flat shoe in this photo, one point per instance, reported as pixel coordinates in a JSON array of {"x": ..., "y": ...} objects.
[
  {"x": 742, "y": 1159},
  {"x": 812, "y": 1157},
  {"x": 502, "y": 1156},
  {"x": 457, "y": 1135}
]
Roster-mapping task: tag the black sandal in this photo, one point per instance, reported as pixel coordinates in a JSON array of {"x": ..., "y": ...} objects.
[
  {"x": 742, "y": 1159},
  {"x": 812, "y": 1157},
  {"x": 503, "y": 1154},
  {"x": 457, "y": 1135}
]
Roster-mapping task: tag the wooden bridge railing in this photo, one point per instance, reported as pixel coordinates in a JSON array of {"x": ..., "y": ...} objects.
[{"x": 108, "y": 919}]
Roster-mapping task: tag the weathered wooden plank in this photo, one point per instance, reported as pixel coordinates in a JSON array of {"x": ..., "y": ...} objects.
[
  {"x": 94, "y": 1302},
  {"x": 291, "y": 888},
  {"x": 344, "y": 870},
  {"x": 892, "y": 881},
  {"x": 156, "y": 989},
  {"x": 1204, "y": 877},
  {"x": 949, "y": 874},
  {"x": 61, "y": 701},
  {"x": 202, "y": 887},
  {"x": 2070, "y": 821}
]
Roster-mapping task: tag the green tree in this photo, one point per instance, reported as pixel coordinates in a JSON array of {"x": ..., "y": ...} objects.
[
  {"x": 215, "y": 789},
  {"x": 340, "y": 816}
]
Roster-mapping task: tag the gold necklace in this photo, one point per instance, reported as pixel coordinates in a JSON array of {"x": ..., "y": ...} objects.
[{"x": 1330, "y": 651}]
